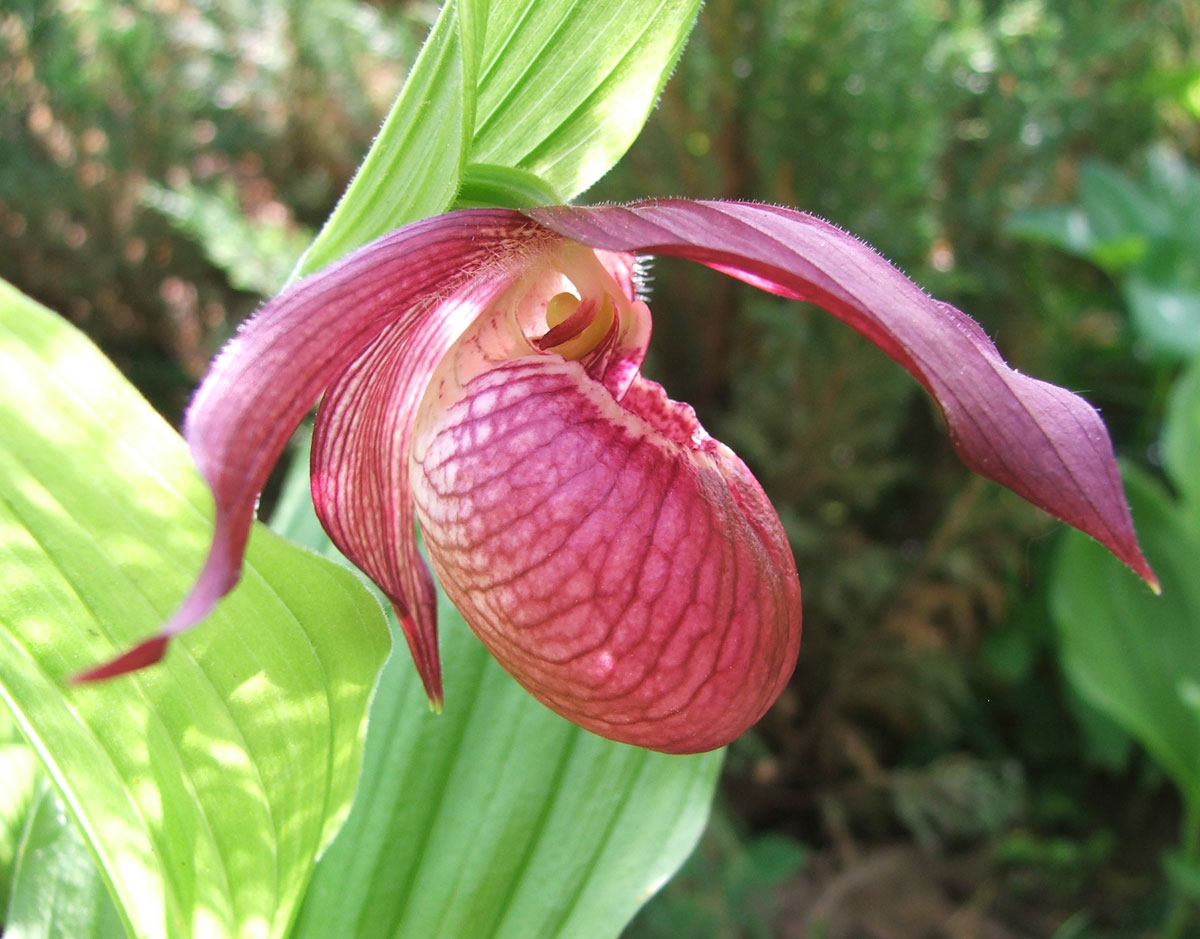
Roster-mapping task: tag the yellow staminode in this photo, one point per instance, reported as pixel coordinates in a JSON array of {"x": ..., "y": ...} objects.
[{"x": 561, "y": 307}]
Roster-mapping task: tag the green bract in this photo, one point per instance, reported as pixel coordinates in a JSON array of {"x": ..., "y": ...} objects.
[{"x": 546, "y": 87}]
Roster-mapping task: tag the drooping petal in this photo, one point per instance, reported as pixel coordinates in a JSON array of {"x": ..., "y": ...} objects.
[
  {"x": 616, "y": 560},
  {"x": 360, "y": 483},
  {"x": 1040, "y": 440},
  {"x": 270, "y": 375}
]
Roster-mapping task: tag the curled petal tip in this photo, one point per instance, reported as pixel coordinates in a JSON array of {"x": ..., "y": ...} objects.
[
  {"x": 420, "y": 632},
  {"x": 1151, "y": 580},
  {"x": 1126, "y": 550},
  {"x": 431, "y": 680},
  {"x": 145, "y": 653},
  {"x": 220, "y": 574}
]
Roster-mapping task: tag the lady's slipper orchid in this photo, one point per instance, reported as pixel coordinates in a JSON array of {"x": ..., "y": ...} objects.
[{"x": 481, "y": 370}]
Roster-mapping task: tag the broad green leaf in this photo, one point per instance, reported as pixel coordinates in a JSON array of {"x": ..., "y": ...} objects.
[
  {"x": 1163, "y": 291},
  {"x": 412, "y": 170},
  {"x": 57, "y": 892},
  {"x": 204, "y": 786},
  {"x": 1119, "y": 254},
  {"x": 1145, "y": 236},
  {"x": 1181, "y": 442},
  {"x": 1136, "y": 656},
  {"x": 499, "y": 819},
  {"x": 565, "y": 86},
  {"x": 496, "y": 818},
  {"x": 547, "y": 87},
  {"x": 1103, "y": 742},
  {"x": 1174, "y": 183}
]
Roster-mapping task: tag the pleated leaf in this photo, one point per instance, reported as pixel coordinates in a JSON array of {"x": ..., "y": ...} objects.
[
  {"x": 204, "y": 787},
  {"x": 566, "y": 85}
]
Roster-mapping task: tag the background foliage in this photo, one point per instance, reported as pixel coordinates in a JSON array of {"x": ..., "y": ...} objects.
[{"x": 932, "y": 767}]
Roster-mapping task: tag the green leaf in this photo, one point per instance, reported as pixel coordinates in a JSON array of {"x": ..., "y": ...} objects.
[
  {"x": 1174, "y": 184},
  {"x": 1102, "y": 741},
  {"x": 1183, "y": 872},
  {"x": 412, "y": 170},
  {"x": 57, "y": 891},
  {"x": 1181, "y": 442},
  {"x": 1067, "y": 228},
  {"x": 565, "y": 89},
  {"x": 19, "y": 777},
  {"x": 547, "y": 87},
  {"x": 1163, "y": 296},
  {"x": 496, "y": 818},
  {"x": 204, "y": 786},
  {"x": 1120, "y": 254},
  {"x": 1134, "y": 655},
  {"x": 1117, "y": 207}
]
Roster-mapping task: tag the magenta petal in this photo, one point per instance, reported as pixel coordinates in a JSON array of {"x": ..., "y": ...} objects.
[
  {"x": 1041, "y": 441},
  {"x": 266, "y": 379},
  {"x": 360, "y": 481}
]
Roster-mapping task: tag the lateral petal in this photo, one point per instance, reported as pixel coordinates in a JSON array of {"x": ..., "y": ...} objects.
[
  {"x": 269, "y": 376},
  {"x": 360, "y": 474},
  {"x": 1043, "y": 442}
]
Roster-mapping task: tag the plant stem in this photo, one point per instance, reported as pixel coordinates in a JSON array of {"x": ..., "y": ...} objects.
[{"x": 1190, "y": 851}]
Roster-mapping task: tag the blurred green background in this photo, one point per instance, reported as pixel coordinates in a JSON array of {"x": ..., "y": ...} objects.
[{"x": 941, "y": 765}]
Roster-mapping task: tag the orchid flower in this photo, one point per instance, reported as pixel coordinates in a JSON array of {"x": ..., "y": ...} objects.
[{"x": 480, "y": 374}]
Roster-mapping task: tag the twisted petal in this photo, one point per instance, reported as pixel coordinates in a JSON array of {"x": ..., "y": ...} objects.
[
  {"x": 360, "y": 484},
  {"x": 270, "y": 375},
  {"x": 1041, "y": 441}
]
